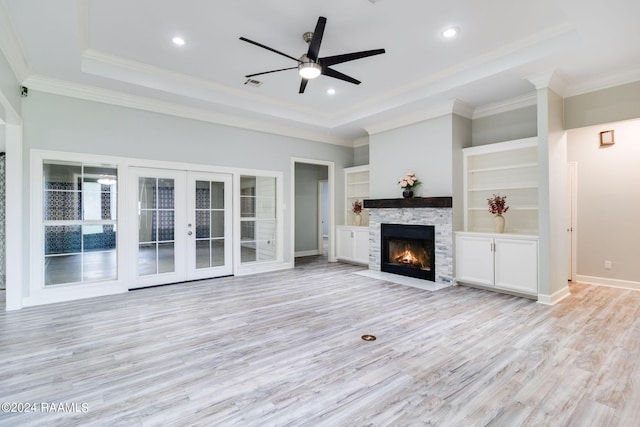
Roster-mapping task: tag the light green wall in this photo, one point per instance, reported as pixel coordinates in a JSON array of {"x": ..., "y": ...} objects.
[
  {"x": 507, "y": 126},
  {"x": 361, "y": 155},
  {"x": 603, "y": 106}
]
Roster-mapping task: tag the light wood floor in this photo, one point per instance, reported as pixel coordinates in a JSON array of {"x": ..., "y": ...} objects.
[{"x": 285, "y": 349}]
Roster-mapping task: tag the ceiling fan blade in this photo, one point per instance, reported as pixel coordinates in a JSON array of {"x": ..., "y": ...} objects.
[
  {"x": 303, "y": 85},
  {"x": 314, "y": 46},
  {"x": 268, "y": 72},
  {"x": 268, "y": 48},
  {"x": 339, "y": 59},
  {"x": 338, "y": 75}
]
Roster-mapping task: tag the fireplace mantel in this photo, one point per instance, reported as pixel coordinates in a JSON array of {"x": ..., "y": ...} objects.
[{"x": 410, "y": 202}]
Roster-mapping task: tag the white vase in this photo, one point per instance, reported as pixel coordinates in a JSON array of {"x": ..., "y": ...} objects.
[
  {"x": 499, "y": 223},
  {"x": 358, "y": 220}
]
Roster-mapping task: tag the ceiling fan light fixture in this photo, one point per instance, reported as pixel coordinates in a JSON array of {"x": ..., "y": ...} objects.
[{"x": 309, "y": 70}]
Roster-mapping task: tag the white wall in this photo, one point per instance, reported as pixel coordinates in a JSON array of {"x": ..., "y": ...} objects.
[
  {"x": 424, "y": 148},
  {"x": 608, "y": 202}
]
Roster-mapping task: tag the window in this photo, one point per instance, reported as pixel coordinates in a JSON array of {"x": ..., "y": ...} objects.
[
  {"x": 80, "y": 222},
  {"x": 258, "y": 221}
]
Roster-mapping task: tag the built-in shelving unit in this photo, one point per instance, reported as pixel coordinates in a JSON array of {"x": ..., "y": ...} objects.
[
  {"x": 508, "y": 261},
  {"x": 352, "y": 239},
  {"x": 508, "y": 169},
  {"x": 357, "y": 188}
]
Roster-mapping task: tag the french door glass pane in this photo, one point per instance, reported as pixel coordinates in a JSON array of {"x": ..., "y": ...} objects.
[
  {"x": 62, "y": 269},
  {"x": 147, "y": 259},
  {"x": 166, "y": 257},
  {"x": 217, "y": 224},
  {"x": 217, "y": 253},
  {"x": 217, "y": 195},
  {"x": 203, "y": 254},
  {"x": 156, "y": 226}
]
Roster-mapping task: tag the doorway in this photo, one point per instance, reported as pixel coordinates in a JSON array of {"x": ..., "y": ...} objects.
[
  {"x": 313, "y": 201},
  {"x": 183, "y": 226}
]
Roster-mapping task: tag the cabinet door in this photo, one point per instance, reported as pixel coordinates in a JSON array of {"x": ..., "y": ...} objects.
[
  {"x": 344, "y": 243},
  {"x": 474, "y": 260},
  {"x": 361, "y": 250},
  {"x": 516, "y": 266}
]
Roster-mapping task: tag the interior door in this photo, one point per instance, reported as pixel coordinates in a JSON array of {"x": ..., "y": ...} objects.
[
  {"x": 209, "y": 225},
  {"x": 160, "y": 242}
]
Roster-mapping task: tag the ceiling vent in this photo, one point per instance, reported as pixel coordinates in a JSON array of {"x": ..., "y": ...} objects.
[{"x": 253, "y": 82}]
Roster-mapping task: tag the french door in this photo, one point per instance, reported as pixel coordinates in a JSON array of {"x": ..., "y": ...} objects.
[{"x": 183, "y": 224}]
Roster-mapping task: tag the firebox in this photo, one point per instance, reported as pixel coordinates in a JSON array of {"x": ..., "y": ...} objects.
[{"x": 409, "y": 250}]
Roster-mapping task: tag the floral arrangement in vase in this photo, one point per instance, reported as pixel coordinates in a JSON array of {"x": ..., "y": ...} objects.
[
  {"x": 498, "y": 204},
  {"x": 356, "y": 208},
  {"x": 408, "y": 183}
]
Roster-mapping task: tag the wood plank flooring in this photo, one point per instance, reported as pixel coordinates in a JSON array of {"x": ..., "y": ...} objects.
[{"x": 285, "y": 349}]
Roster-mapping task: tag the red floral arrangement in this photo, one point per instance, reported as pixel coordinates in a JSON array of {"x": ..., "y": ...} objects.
[
  {"x": 357, "y": 207},
  {"x": 498, "y": 204}
]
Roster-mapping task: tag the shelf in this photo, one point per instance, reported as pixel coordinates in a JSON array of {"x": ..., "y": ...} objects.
[
  {"x": 510, "y": 187},
  {"x": 511, "y": 208},
  {"x": 502, "y": 168},
  {"x": 509, "y": 169}
]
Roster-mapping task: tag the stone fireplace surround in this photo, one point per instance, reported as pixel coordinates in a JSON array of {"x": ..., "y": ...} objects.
[{"x": 434, "y": 211}]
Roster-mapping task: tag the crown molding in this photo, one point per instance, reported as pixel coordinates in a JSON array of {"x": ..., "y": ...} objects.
[
  {"x": 11, "y": 46},
  {"x": 113, "y": 67},
  {"x": 551, "y": 79},
  {"x": 90, "y": 93},
  {"x": 505, "y": 106},
  {"x": 361, "y": 142}
]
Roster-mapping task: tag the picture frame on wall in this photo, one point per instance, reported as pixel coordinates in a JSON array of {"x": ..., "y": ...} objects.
[{"x": 606, "y": 138}]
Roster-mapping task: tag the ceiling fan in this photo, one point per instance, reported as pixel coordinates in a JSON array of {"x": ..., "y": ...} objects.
[{"x": 310, "y": 65}]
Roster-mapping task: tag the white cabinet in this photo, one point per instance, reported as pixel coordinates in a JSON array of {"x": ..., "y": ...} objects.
[
  {"x": 505, "y": 262},
  {"x": 507, "y": 169},
  {"x": 352, "y": 244}
]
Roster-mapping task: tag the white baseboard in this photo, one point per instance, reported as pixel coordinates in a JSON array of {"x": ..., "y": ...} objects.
[
  {"x": 554, "y": 298},
  {"x": 307, "y": 253},
  {"x": 612, "y": 283}
]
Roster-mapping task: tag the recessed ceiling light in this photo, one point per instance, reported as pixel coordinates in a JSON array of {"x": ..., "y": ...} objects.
[
  {"x": 331, "y": 91},
  {"x": 178, "y": 41},
  {"x": 450, "y": 32}
]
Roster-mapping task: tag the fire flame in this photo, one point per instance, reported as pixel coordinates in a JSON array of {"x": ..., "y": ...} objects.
[{"x": 407, "y": 257}]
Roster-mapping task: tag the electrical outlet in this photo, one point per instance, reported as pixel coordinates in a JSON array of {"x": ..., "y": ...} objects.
[{"x": 607, "y": 265}]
